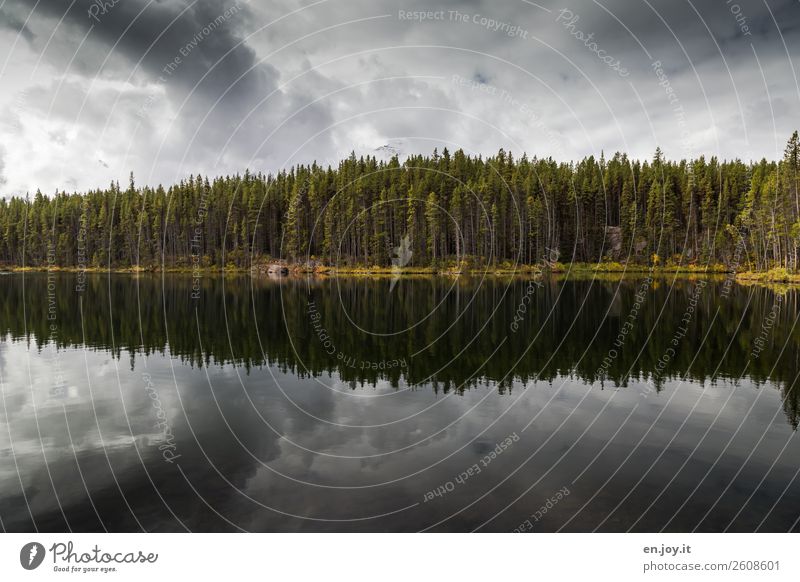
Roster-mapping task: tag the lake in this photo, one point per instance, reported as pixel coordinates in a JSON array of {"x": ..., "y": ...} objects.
[{"x": 170, "y": 403}]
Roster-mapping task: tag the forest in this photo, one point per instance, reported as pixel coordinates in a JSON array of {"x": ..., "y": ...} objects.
[{"x": 449, "y": 208}]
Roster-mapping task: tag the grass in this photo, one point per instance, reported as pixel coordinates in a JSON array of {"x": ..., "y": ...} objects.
[
  {"x": 615, "y": 267},
  {"x": 778, "y": 275},
  {"x": 135, "y": 269}
]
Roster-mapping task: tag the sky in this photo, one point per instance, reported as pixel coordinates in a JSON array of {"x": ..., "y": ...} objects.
[{"x": 91, "y": 91}]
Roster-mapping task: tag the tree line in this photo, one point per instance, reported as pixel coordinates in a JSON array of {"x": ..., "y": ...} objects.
[{"x": 445, "y": 207}]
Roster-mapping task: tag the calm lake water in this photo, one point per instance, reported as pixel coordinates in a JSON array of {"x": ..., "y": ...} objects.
[{"x": 167, "y": 404}]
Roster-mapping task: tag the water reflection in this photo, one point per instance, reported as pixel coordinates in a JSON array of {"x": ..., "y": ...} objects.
[{"x": 341, "y": 405}]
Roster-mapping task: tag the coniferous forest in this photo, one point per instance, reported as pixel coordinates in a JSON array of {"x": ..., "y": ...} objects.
[{"x": 448, "y": 206}]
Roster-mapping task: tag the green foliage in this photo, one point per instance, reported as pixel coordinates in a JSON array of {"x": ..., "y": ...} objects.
[{"x": 496, "y": 210}]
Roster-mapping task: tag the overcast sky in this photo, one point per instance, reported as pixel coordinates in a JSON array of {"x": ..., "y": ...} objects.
[{"x": 92, "y": 90}]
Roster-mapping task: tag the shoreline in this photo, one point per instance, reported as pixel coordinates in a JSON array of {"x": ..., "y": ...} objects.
[{"x": 772, "y": 276}]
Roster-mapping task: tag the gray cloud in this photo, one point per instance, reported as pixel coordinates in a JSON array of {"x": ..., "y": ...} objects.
[
  {"x": 13, "y": 23},
  {"x": 170, "y": 88}
]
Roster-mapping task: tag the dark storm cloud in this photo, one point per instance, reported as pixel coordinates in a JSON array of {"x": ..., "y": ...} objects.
[
  {"x": 278, "y": 83},
  {"x": 194, "y": 53},
  {"x": 12, "y": 22},
  {"x": 152, "y": 34}
]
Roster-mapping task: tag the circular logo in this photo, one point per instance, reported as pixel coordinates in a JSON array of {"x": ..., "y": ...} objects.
[{"x": 31, "y": 555}]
